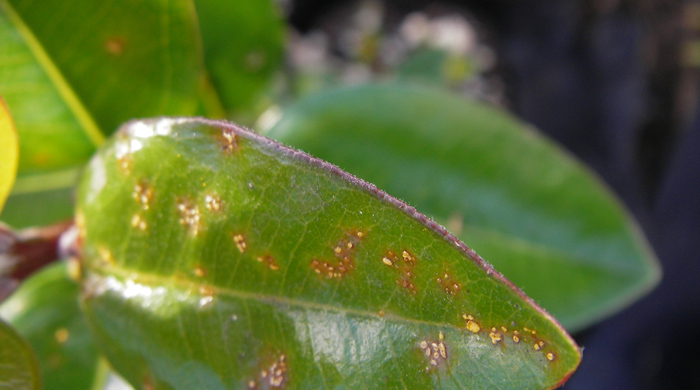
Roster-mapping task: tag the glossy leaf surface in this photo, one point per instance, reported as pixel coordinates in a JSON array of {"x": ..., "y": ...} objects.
[
  {"x": 214, "y": 258},
  {"x": 8, "y": 153},
  {"x": 243, "y": 45},
  {"x": 45, "y": 311},
  {"x": 531, "y": 210},
  {"x": 18, "y": 367},
  {"x": 71, "y": 72}
]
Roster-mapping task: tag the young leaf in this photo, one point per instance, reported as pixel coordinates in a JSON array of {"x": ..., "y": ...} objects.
[
  {"x": 540, "y": 217},
  {"x": 215, "y": 258},
  {"x": 8, "y": 153},
  {"x": 45, "y": 311},
  {"x": 18, "y": 368},
  {"x": 73, "y": 71}
]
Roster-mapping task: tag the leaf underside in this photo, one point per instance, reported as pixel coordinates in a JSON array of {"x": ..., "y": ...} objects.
[
  {"x": 214, "y": 258},
  {"x": 537, "y": 215}
]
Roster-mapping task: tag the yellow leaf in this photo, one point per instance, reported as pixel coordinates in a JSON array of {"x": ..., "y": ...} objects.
[{"x": 8, "y": 152}]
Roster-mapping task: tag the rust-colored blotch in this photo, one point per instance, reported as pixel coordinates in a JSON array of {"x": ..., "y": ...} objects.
[
  {"x": 343, "y": 252},
  {"x": 435, "y": 352},
  {"x": 404, "y": 265},
  {"x": 269, "y": 261}
]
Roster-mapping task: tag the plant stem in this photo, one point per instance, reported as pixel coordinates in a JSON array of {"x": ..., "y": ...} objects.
[{"x": 27, "y": 251}]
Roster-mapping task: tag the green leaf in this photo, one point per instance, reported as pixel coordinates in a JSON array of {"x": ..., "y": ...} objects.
[
  {"x": 45, "y": 311},
  {"x": 18, "y": 367},
  {"x": 437, "y": 67},
  {"x": 535, "y": 213},
  {"x": 8, "y": 153},
  {"x": 71, "y": 72},
  {"x": 243, "y": 44},
  {"x": 221, "y": 259}
]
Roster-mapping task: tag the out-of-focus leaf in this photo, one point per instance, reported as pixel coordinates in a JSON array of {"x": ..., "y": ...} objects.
[
  {"x": 541, "y": 218},
  {"x": 45, "y": 311},
  {"x": 8, "y": 153},
  {"x": 18, "y": 367},
  {"x": 436, "y": 67},
  {"x": 221, "y": 259},
  {"x": 243, "y": 43},
  {"x": 71, "y": 72}
]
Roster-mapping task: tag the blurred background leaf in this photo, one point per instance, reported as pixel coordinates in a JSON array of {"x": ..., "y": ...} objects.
[
  {"x": 8, "y": 152},
  {"x": 243, "y": 45},
  {"x": 72, "y": 72},
  {"x": 18, "y": 367},
  {"x": 542, "y": 219},
  {"x": 45, "y": 311}
]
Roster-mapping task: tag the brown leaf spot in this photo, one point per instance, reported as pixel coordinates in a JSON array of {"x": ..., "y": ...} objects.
[
  {"x": 343, "y": 252},
  {"x": 471, "y": 323},
  {"x": 137, "y": 222},
  {"x": 199, "y": 272},
  {"x": 434, "y": 351},
  {"x": 190, "y": 216},
  {"x": 125, "y": 163},
  {"x": 269, "y": 261},
  {"x": 272, "y": 375},
  {"x": 61, "y": 335},
  {"x": 239, "y": 240},
  {"x": 495, "y": 336},
  {"x": 143, "y": 193},
  {"x": 228, "y": 141},
  {"x": 516, "y": 336},
  {"x": 147, "y": 383},
  {"x": 115, "y": 45},
  {"x": 206, "y": 296},
  {"x": 448, "y": 283},
  {"x": 404, "y": 265},
  {"x": 105, "y": 255},
  {"x": 213, "y": 203}
]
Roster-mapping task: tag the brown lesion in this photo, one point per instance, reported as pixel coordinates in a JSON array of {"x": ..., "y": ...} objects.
[
  {"x": 434, "y": 351},
  {"x": 228, "y": 141},
  {"x": 115, "y": 45},
  {"x": 269, "y": 261},
  {"x": 143, "y": 193},
  {"x": 272, "y": 374},
  {"x": 448, "y": 283},
  {"x": 213, "y": 203},
  {"x": 240, "y": 241},
  {"x": 190, "y": 216},
  {"x": 404, "y": 263},
  {"x": 343, "y": 252},
  {"x": 125, "y": 163},
  {"x": 147, "y": 383}
]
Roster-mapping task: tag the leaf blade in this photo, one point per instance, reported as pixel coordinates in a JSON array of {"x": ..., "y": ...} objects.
[
  {"x": 45, "y": 311},
  {"x": 243, "y": 45},
  {"x": 234, "y": 271},
  {"x": 18, "y": 367},
  {"x": 8, "y": 153},
  {"x": 71, "y": 81},
  {"x": 493, "y": 179}
]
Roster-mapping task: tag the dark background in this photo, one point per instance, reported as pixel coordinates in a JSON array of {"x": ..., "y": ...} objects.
[{"x": 610, "y": 81}]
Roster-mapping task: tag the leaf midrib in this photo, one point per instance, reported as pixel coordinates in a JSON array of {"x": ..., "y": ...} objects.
[
  {"x": 193, "y": 287},
  {"x": 64, "y": 90}
]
